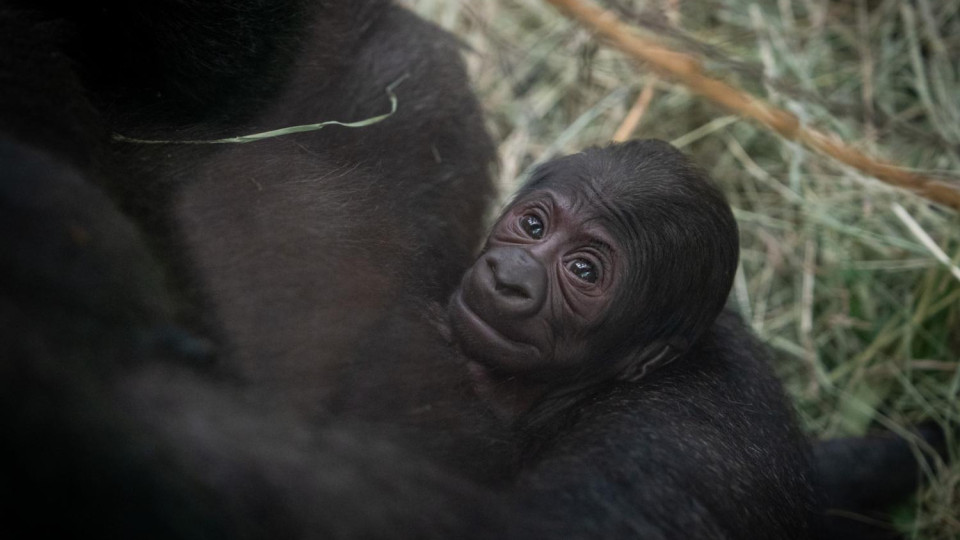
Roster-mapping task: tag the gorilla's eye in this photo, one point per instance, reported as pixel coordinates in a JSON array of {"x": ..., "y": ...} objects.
[
  {"x": 532, "y": 225},
  {"x": 584, "y": 270}
]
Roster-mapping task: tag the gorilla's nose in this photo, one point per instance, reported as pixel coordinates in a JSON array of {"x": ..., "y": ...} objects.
[{"x": 519, "y": 280}]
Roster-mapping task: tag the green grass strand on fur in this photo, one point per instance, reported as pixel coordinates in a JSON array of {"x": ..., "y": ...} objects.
[{"x": 254, "y": 137}]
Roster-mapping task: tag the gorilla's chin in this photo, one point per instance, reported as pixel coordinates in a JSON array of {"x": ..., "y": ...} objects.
[{"x": 484, "y": 344}]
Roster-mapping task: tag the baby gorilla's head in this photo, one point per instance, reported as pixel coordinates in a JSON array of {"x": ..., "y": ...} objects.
[{"x": 607, "y": 263}]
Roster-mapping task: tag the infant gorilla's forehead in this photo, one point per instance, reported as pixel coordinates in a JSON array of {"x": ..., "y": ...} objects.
[
  {"x": 585, "y": 204},
  {"x": 638, "y": 189},
  {"x": 579, "y": 202}
]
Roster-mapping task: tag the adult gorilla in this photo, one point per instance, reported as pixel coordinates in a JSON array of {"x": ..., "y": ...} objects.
[
  {"x": 229, "y": 340},
  {"x": 286, "y": 256},
  {"x": 178, "y": 320}
]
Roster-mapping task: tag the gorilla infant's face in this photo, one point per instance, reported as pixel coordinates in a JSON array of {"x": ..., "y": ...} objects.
[{"x": 539, "y": 291}]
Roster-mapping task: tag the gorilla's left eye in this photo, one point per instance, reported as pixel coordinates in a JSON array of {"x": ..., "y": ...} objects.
[
  {"x": 532, "y": 225},
  {"x": 584, "y": 270}
]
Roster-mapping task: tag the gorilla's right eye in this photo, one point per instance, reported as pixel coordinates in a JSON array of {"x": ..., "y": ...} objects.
[
  {"x": 584, "y": 270},
  {"x": 532, "y": 225}
]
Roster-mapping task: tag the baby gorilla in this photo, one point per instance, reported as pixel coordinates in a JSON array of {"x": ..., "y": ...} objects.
[{"x": 608, "y": 264}]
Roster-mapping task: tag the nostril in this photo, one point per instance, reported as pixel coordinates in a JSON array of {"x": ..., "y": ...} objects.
[
  {"x": 511, "y": 291},
  {"x": 516, "y": 283},
  {"x": 515, "y": 278},
  {"x": 504, "y": 285}
]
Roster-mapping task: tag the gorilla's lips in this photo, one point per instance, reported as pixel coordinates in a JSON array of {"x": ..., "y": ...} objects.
[{"x": 484, "y": 343}]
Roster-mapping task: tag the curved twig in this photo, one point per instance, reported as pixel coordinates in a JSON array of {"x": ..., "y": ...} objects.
[{"x": 688, "y": 70}]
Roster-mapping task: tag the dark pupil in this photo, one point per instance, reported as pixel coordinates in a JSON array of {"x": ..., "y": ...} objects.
[
  {"x": 584, "y": 270},
  {"x": 532, "y": 226}
]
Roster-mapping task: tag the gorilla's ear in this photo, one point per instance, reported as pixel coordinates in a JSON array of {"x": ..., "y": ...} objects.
[{"x": 642, "y": 361}]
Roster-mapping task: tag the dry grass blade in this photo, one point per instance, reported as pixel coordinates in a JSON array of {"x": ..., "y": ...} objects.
[{"x": 632, "y": 120}]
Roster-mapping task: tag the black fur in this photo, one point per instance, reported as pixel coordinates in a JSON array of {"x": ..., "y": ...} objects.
[{"x": 705, "y": 447}]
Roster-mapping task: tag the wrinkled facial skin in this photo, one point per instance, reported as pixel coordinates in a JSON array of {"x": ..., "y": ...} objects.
[{"x": 538, "y": 292}]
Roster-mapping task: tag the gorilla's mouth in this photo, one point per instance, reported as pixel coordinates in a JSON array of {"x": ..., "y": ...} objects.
[{"x": 484, "y": 343}]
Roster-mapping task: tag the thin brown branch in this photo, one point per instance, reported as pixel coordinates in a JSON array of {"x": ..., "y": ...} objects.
[
  {"x": 632, "y": 120},
  {"x": 687, "y": 70}
]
